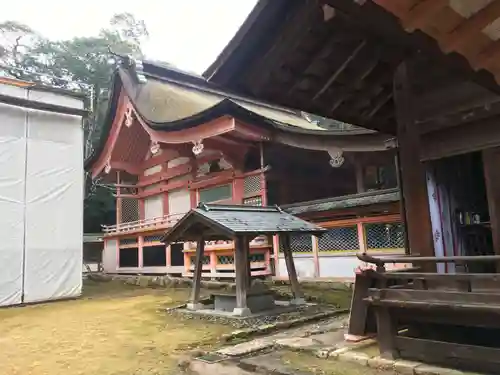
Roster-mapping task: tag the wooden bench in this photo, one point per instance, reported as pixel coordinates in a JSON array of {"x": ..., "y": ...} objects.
[{"x": 447, "y": 319}]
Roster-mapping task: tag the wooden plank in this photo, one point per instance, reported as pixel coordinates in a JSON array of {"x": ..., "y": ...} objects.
[
  {"x": 434, "y": 305},
  {"x": 450, "y": 296},
  {"x": 432, "y": 259},
  {"x": 442, "y": 276},
  {"x": 413, "y": 174},
  {"x": 477, "y": 358},
  {"x": 195, "y": 292}
]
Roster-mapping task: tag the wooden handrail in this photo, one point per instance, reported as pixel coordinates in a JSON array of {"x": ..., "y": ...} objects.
[{"x": 409, "y": 259}]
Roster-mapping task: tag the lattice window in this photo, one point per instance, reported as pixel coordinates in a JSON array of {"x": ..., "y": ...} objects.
[
  {"x": 258, "y": 257},
  {"x": 130, "y": 210},
  {"x": 217, "y": 193},
  {"x": 205, "y": 260},
  {"x": 154, "y": 238},
  {"x": 252, "y": 184},
  {"x": 225, "y": 259},
  {"x": 339, "y": 239},
  {"x": 383, "y": 236},
  {"x": 254, "y": 201},
  {"x": 299, "y": 243},
  {"x": 128, "y": 241}
]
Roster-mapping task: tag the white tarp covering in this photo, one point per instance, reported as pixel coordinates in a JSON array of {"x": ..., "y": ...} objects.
[
  {"x": 41, "y": 205},
  {"x": 12, "y": 169}
]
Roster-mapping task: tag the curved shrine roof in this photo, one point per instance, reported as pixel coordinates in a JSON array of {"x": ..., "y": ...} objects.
[{"x": 172, "y": 100}]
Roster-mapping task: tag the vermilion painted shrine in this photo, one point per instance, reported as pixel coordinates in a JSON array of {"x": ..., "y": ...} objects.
[{"x": 171, "y": 140}]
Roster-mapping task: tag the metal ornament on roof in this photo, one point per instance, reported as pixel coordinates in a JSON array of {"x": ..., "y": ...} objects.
[
  {"x": 155, "y": 147},
  {"x": 197, "y": 147},
  {"x": 107, "y": 168},
  {"x": 138, "y": 71},
  {"x": 336, "y": 158},
  {"x": 129, "y": 119}
]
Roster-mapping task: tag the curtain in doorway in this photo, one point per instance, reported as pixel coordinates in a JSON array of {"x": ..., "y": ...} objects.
[{"x": 442, "y": 207}]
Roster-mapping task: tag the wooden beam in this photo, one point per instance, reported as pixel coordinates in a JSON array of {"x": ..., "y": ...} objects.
[
  {"x": 240, "y": 269},
  {"x": 471, "y": 27},
  {"x": 491, "y": 163},
  {"x": 194, "y": 300},
  {"x": 421, "y": 14},
  {"x": 340, "y": 69},
  {"x": 346, "y": 91},
  {"x": 413, "y": 177},
  {"x": 290, "y": 266}
]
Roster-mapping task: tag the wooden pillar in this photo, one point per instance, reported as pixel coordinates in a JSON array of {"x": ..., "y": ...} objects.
[
  {"x": 276, "y": 255},
  {"x": 248, "y": 268},
  {"x": 298, "y": 298},
  {"x": 491, "y": 164},
  {"x": 168, "y": 255},
  {"x": 140, "y": 255},
  {"x": 361, "y": 237},
  {"x": 118, "y": 200},
  {"x": 402, "y": 206},
  {"x": 194, "y": 300},
  {"x": 241, "y": 265},
  {"x": 360, "y": 176},
  {"x": 413, "y": 176},
  {"x": 317, "y": 270}
]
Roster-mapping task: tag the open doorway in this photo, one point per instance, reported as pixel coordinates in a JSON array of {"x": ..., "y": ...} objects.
[{"x": 459, "y": 209}]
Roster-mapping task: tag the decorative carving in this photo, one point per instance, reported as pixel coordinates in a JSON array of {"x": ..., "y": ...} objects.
[
  {"x": 336, "y": 158},
  {"x": 198, "y": 147}
]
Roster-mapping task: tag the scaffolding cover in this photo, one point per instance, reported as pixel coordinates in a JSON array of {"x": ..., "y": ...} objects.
[{"x": 41, "y": 201}]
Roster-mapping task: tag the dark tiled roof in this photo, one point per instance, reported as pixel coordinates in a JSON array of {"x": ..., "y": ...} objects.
[
  {"x": 346, "y": 201},
  {"x": 223, "y": 221}
]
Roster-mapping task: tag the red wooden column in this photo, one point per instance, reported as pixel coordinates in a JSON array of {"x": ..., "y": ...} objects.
[
  {"x": 118, "y": 200},
  {"x": 491, "y": 164},
  {"x": 419, "y": 229}
]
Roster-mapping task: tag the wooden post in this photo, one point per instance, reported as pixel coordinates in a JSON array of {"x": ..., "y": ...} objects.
[
  {"x": 240, "y": 259},
  {"x": 213, "y": 264},
  {"x": 194, "y": 300},
  {"x": 118, "y": 201},
  {"x": 248, "y": 268},
  {"x": 298, "y": 298},
  {"x": 402, "y": 206},
  {"x": 386, "y": 333},
  {"x": 413, "y": 176},
  {"x": 360, "y": 176},
  {"x": 491, "y": 163},
  {"x": 140, "y": 255},
  {"x": 276, "y": 255},
  {"x": 361, "y": 237},
  {"x": 317, "y": 270},
  {"x": 168, "y": 255}
]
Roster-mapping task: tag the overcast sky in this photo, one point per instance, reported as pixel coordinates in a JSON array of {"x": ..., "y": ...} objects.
[{"x": 187, "y": 33}]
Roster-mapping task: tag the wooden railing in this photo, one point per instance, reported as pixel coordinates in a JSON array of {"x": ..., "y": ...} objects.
[{"x": 147, "y": 224}]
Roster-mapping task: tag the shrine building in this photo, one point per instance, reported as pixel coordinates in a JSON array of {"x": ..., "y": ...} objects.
[{"x": 171, "y": 140}]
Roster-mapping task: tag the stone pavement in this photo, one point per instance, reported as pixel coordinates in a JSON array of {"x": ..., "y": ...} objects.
[{"x": 322, "y": 340}]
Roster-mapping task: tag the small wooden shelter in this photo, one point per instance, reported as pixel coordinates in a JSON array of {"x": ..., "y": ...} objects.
[{"x": 241, "y": 224}]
